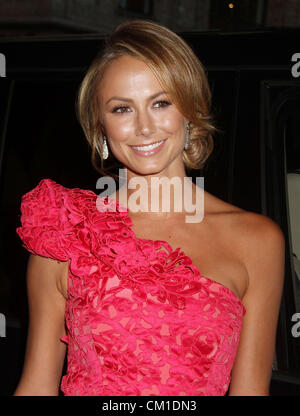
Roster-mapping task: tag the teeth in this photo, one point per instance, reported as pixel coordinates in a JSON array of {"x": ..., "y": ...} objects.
[{"x": 150, "y": 147}]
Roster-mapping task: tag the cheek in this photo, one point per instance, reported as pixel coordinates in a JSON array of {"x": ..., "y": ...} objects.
[
  {"x": 118, "y": 130},
  {"x": 173, "y": 123}
]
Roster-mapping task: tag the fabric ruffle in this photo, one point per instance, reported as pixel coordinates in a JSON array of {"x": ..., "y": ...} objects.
[
  {"x": 74, "y": 224},
  {"x": 41, "y": 218}
]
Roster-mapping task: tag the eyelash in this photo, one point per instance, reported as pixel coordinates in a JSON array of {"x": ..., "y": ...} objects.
[{"x": 124, "y": 106}]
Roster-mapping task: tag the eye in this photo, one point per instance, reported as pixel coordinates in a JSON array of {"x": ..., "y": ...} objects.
[
  {"x": 165, "y": 103},
  {"x": 116, "y": 109},
  {"x": 162, "y": 104}
]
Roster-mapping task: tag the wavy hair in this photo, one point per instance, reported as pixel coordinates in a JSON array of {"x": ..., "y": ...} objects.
[{"x": 177, "y": 69}]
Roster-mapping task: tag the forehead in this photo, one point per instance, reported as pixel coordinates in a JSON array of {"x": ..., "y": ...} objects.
[{"x": 127, "y": 72}]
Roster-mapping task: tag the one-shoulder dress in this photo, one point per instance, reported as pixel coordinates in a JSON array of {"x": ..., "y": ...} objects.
[{"x": 141, "y": 319}]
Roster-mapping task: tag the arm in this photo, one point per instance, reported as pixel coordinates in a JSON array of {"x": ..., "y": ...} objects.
[
  {"x": 263, "y": 251},
  {"x": 45, "y": 352}
]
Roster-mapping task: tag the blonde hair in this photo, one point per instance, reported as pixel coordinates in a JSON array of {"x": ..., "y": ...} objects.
[{"x": 177, "y": 69}]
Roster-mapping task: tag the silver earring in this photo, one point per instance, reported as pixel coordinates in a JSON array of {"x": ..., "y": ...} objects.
[
  {"x": 187, "y": 136},
  {"x": 105, "y": 149}
]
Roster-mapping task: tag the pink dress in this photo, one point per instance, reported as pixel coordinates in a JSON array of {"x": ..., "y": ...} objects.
[{"x": 141, "y": 319}]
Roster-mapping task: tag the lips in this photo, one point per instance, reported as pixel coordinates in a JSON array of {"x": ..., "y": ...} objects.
[{"x": 150, "y": 149}]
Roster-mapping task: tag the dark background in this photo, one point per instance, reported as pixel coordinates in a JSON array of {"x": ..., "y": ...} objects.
[{"x": 246, "y": 47}]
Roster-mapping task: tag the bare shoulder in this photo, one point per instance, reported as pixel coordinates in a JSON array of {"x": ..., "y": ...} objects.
[
  {"x": 247, "y": 227},
  {"x": 260, "y": 245},
  {"x": 256, "y": 230},
  {"x": 256, "y": 240}
]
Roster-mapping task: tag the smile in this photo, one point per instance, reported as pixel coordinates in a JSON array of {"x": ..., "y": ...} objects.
[
  {"x": 148, "y": 150},
  {"x": 149, "y": 147}
]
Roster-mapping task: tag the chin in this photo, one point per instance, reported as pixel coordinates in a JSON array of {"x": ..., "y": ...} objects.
[{"x": 146, "y": 170}]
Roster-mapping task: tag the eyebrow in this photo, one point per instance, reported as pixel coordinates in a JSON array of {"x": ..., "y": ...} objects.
[{"x": 130, "y": 100}]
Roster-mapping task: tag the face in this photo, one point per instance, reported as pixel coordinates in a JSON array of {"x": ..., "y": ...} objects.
[{"x": 144, "y": 129}]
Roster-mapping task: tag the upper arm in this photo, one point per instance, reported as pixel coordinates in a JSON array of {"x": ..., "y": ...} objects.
[
  {"x": 45, "y": 353},
  {"x": 263, "y": 250}
]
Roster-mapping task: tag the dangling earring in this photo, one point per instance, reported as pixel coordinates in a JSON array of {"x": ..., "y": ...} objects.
[
  {"x": 105, "y": 149},
  {"x": 187, "y": 136}
]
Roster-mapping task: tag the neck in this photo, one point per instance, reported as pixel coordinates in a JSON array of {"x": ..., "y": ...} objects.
[{"x": 162, "y": 195}]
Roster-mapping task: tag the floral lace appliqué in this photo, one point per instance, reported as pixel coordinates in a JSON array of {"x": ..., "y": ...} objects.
[{"x": 140, "y": 317}]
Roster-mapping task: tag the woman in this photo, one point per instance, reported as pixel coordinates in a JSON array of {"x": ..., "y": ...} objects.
[{"x": 153, "y": 304}]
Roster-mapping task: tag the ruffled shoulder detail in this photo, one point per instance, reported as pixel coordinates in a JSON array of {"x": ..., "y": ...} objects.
[{"x": 42, "y": 212}]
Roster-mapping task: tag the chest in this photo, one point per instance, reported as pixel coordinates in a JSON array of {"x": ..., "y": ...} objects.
[{"x": 214, "y": 253}]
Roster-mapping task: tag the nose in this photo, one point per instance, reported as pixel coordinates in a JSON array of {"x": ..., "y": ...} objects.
[{"x": 144, "y": 124}]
